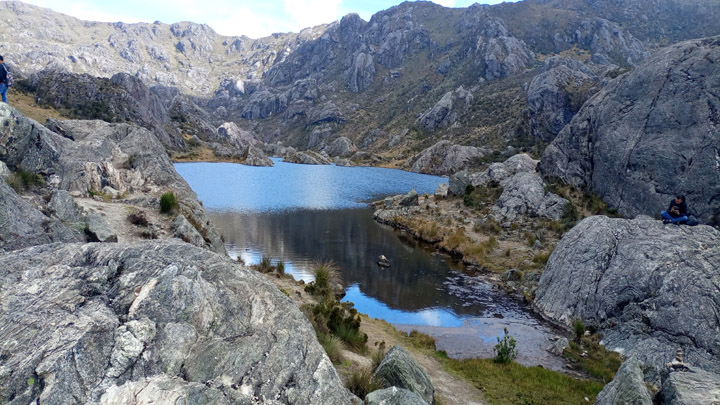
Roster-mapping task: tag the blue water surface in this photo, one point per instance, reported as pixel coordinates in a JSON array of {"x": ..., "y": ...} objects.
[{"x": 288, "y": 186}]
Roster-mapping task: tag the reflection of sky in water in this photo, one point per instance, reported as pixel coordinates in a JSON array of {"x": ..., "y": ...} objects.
[
  {"x": 299, "y": 271},
  {"x": 286, "y": 186},
  {"x": 376, "y": 309}
]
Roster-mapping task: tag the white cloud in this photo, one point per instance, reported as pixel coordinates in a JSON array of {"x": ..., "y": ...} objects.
[
  {"x": 445, "y": 3},
  {"x": 242, "y": 21},
  {"x": 309, "y": 13}
]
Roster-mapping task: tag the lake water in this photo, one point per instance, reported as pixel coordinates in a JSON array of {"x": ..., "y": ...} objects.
[{"x": 302, "y": 214}]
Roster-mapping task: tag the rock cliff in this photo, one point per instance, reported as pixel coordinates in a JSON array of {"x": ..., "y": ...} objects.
[
  {"x": 649, "y": 135},
  {"x": 649, "y": 288}
]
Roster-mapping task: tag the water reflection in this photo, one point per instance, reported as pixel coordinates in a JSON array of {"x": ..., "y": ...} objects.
[{"x": 353, "y": 241}]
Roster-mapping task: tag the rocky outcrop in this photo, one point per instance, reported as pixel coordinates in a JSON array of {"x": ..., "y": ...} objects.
[
  {"x": 445, "y": 112},
  {"x": 307, "y": 157},
  {"x": 524, "y": 195},
  {"x": 127, "y": 158},
  {"x": 444, "y": 158},
  {"x": 399, "y": 369},
  {"x": 496, "y": 172},
  {"x": 499, "y": 54},
  {"x": 341, "y": 146},
  {"x": 649, "y": 135},
  {"x": 607, "y": 42},
  {"x": 649, "y": 288},
  {"x": 557, "y": 93},
  {"x": 393, "y": 396},
  {"x": 63, "y": 206},
  {"x": 361, "y": 73},
  {"x": 692, "y": 387},
  {"x": 122, "y": 98},
  {"x": 628, "y": 387},
  {"x": 23, "y": 225},
  {"x": 104, "y": 323}
]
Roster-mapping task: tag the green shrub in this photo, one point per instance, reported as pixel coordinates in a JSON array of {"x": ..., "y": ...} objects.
[
  {"x": 339, "y": 319},
  {"x": 361, "y": 383},
  {"x": 505, "y": 350},
  {"x": 579, "y": 329},
  {"x": 421, "y": 340},
  {"x": 378, "y": 356},
  {"x": 332, "y": 346},
  {"x": 325, "y": 276},
  {"x": 168, "y": 203},
  {"x": 23, "y": 179},
  {"x": 265, "y": 265},
  {"x": 280, "y": 267}
]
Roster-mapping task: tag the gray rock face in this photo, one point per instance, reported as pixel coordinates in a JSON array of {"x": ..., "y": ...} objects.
[
  {"x": 556, "y": 95},
  {"x": 99, "y": 323},
  {"x": 361, "y": 73},
  {"x": 256, "y": 157},
  {"x": 23, "y": 225},
  {"x": 628, "y": 387},
  {"x": 649, "y": 135},
  {"x": 99, "y": 230},
  {"x": 606, "y": 41},
  {"x": 696, "y": 387},
  {"x": 341, "y": 146},
  {"x": 558, "y": 347},
  {"x": 393, "y": 396},
  {"x": 124, "y": 157},
  {"x": 399, "y": 369},
  {"x": 63, "y": 206},
  {"x": 444, "y": 158},
  {"x": 648, "y": 287},
  {"x": 442, "y": 191},
  {"x": 185, "y": 231},
  {"x": 499, "y": 54},
  {"x": 524, "y": 195},
  {"x": 497, "y": 172},
  {"x": 445, "y": 112},
  {"x": 121, "y": 98}
]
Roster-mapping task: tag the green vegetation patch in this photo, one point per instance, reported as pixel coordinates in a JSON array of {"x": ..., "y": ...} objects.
[
  {"x": 168, "y": 203},
  {"x": 512, "y": 383}
]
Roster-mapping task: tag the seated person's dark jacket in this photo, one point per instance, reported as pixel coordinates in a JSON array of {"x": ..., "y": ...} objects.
[{"x": 682, "y": 209}]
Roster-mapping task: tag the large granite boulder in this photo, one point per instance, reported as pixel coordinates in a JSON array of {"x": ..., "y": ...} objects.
[
  {"x": 648, "y": 135},
  {"x": 557, "y": 93},
  {"x": 113, "y": 323},
  {"x": 628, "y": 387},
  {"x": 23, "y": 225},
  {"x": 185, "y": 231},
  {"x": 341, "y": 146},
  {"x": 307, "y": 157},
  {"x": 125, "y": 157},
  {"x": 649, "y": 288},
  {"x": 444, "y": 158},
  {"x": 497, "y": 53},
  {"x": 524, "y": 195},
  {"x": 693, "y": 387},
  {"x": 399, "y": 369}
]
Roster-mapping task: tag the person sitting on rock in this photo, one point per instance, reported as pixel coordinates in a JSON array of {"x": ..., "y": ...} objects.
[{"x": 677, "y": 212}]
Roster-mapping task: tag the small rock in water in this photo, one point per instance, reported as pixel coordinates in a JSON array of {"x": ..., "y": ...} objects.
[{"x": 383, "y": 261}]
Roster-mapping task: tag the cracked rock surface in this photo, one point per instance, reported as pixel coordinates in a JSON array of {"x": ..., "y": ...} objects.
[
  {"x": 649, "y": 288},
  {"x": 152, "y": 322},
  {"x": 649, "y": 134}
]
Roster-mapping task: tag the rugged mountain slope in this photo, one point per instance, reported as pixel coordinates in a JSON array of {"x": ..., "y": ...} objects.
[
  {"x": 371, "y": 81},
  {"x": 186, "y": 55},
  {"x": 649, "y": 134}
]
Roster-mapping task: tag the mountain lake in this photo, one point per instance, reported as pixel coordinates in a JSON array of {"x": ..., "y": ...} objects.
[{"x": 304, "y": 214}]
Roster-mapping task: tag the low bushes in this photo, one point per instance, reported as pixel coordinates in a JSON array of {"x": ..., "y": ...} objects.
[{"x": 168, "y": 203}]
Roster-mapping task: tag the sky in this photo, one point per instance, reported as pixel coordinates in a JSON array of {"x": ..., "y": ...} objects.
[{"x": 254, "y": 18}]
